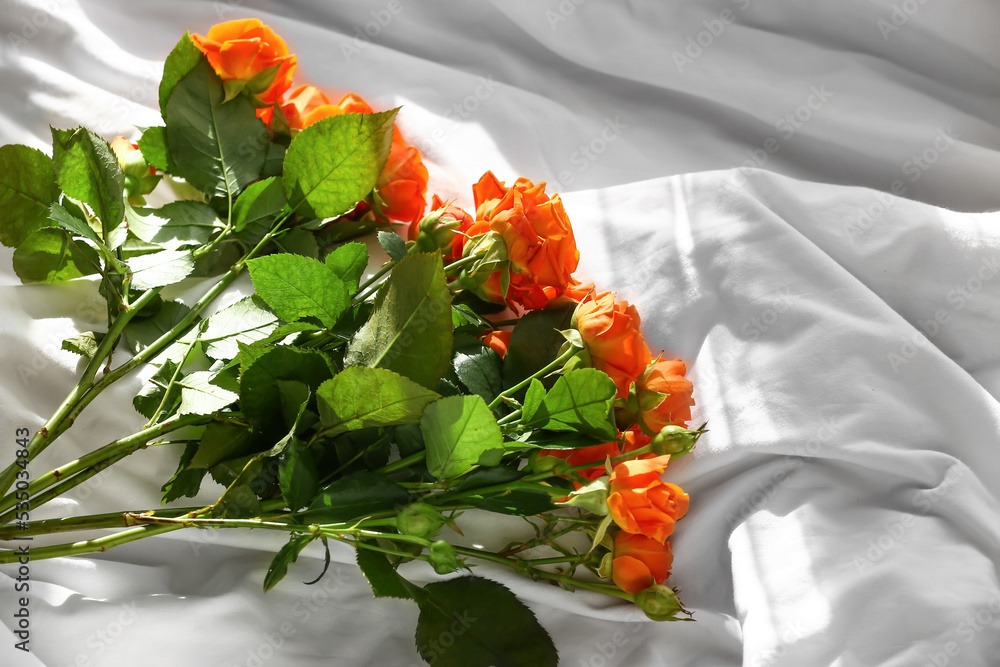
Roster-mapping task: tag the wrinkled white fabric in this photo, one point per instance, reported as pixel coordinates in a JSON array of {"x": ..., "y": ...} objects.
[{"x": 839, "y": 316}]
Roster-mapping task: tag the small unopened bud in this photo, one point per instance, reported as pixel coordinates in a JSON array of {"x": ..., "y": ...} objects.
[
  {"x": 605, "y": 568},
  {"x": 542, "y": 463},
  {"x": 437, "y": 231},
  {"x": 442, "y": 556},
  {"x": 593, "y": 497},
  {"x": 674, "y": 440},
  {"x": 420, "y": 520},
  {"x": 659, "y": 603}
]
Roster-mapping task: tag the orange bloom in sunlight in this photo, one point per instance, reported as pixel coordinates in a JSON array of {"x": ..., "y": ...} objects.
[
  {"x": 640, "y": 502},
  {"x": 639, "y": 562},
  {"x": 300, "y": 103},
  {"x": 465, "y": 221},
  {"x": 664, "y": 377},
  {"x": 498, "y": 341},
  {"x": 538, "y": 236},
  {"x": 597, "y": 454},
  {"x": 240, "y": 50},
  {"x": 403, "y": 181},
  {"x": 610, "y": 329}
]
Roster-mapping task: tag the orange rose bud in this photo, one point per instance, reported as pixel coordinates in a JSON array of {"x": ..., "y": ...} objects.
[
  {"x": 498, "y": 341},
  {"x": 610, "y": 330},
  {"x": 664, "y": 396},
  {"x": 300, "y": 103},
  {"x": 402, "y": 185},
  {"x": 640, "y": 502},
  {"x": 444, "y": 228},
  {"x": 541, "y": 248},
  {"x": 639, "y": 562},
  {"x": 595, "y": 454},
  {"x": 246, "y": 48}
]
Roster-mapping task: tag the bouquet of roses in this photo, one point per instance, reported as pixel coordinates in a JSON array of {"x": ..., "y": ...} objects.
[{"x": 471, "y": 372}]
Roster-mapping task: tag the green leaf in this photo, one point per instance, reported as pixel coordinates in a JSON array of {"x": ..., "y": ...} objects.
[
  {"x": 153, "y": 146},
  {"x": 222, "y": 441},
  {"x": 333, "y": 164},
  {"x": 262, "y": 200},
  {"x": 143, "y": 332},
  {"x": 382, "y": 576},
  {"x": 489, "y": 626},
  {"x": 239, "y": 501},
  {"x": 178, "y": 224},
  {"x": 182, "y": 59},
  {"x": 299, "y": 241},
  {"x": 532, "y": 400},
  {"x": 85, "y": 344},
  {"x": 51, "y": 256},
  {"x": 286, "y": 555},
  {"x": 87, "y": 170},
  {"x": 298, "y": 475},
  {"x": 296, "y": 287},
  {"x": 356, "y": 496},
  {"x": 460, "y": 433},
  {"x": 200, "y": 396},
  {"x": 218, "y": 148},
  {"x": 359, "y": 398},
  {"x": 349, "y": 262},
  {"x": 535, "y": 342},
  {"x": 246, "y": 321},
  {"x": 518, "y": 502},
  {"x": 481, "y": 371},
  {"x": 393, "y": 245},
  {"x": 150, "y": 396},
  {"x": 72, "y": 224},
  {"x": 409, "y": 331},
  {"x": 160, "y": 268},
  {"x": 259, "y": 391},
  {"x": 185, "y": 481},
  {"x": 27, "y": 189},
  {"x": 580, "y": 401}
]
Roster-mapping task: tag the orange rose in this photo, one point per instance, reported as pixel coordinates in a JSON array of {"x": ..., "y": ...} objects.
[
  {"x": 664, "y": 377},
  {"x": 498, "y": 341},
  {"x": 639, "y": 562},
  {"x": 642, "y": 503},
  {"x": 446, "y": 234},
  {"x": 240, "y": 50},
  {"x": 300, "y": 103},
  {"x": 610, "y": 330},
  {"x": 536, "y": 231},
  {"x": 597, "y": 454},
  {"x": 403, "y": 181}
]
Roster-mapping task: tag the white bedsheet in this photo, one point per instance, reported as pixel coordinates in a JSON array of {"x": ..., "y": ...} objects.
[{"x": 842, "y": 340}]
